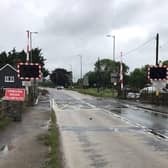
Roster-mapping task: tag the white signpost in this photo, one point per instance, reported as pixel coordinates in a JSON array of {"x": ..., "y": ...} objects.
[{"x": 26, "y": 83}]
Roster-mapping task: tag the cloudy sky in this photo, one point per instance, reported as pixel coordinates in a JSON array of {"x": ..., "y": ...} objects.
[{"x": 69, "y": 28}]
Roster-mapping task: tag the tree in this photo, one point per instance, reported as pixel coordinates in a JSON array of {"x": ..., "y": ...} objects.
[
  {"x": 105, "y": 67},
  {"x": 165, "y": 62},
  {"x": 37, "y": 57},
  {"x": 138, "y": 78},
  {"x": 60, "y": 77},
  {"x": 13, "y": 57},
  {"x": 3, "y": 58},
  {"x": 92, "y": 78}
]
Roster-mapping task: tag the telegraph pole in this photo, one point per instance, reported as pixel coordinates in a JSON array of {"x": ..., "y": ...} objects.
[
  {"x": 98, "y": 75},
  {"x": 157, "y": 48},
  {"x": 81, "y": 66},
  {"x": 113, "y": 48}
]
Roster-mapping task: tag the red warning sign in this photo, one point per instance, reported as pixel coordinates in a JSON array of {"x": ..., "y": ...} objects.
[{"x": 14, "y": 94}]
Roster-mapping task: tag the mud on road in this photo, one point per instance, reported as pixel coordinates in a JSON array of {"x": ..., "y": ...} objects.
[{"x": 19, "y": 145}]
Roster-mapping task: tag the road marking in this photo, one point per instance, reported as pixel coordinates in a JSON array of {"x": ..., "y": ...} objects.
[
  {"x": 54, "y": 107},
  {"x": 146, "y": 130}
]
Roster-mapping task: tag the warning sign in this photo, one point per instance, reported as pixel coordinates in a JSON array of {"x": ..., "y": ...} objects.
[{"x": 14, "y": 94}]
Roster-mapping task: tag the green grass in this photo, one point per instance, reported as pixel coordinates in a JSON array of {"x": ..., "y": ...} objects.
[
  {"x": 52, "y": 140},
  {"x": 4, "y": 122},
  {"x": 101, "y": 93},
  {"x": 55, "y": 161}
]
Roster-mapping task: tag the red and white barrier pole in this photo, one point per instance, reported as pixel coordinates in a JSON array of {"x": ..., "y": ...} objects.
[
  {"x": 28, "y": 45},
  {"x": 121, "y": 72},
  {"x": 27, "y": 59}
]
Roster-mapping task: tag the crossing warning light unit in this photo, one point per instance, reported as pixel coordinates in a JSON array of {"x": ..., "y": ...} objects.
[
  {"x": 29, "y": 71},
  {"x": 158, "y": 73}
]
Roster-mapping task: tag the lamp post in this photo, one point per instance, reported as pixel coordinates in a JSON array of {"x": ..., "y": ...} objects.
[
  {"x": 31, "y": 44},
  {"x": 29, "y": 58},
  {"x": 81, "y": 70},
  {"x": 113, "y": 45},
  {"x": 80, "y": 66}
]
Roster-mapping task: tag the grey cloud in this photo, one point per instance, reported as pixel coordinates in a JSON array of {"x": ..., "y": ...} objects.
[
  {"x": 71, "y": 27},
  {"x": 80, "y": 18},
  {"x": 92, "y": 17}
]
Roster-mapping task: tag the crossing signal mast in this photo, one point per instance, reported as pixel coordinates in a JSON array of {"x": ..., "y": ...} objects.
[{"x": 158, "y": 74}]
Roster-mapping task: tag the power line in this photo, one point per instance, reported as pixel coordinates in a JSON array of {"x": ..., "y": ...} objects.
[
  {"x": 164, "y": 44},
  {"x": 140, "y": 46}
]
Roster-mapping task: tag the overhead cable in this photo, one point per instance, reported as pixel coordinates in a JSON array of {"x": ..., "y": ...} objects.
[{"x": 140, "y": 46}]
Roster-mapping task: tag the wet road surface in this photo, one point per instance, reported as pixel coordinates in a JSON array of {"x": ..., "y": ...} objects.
[
  {"x": 102, "y": 133},
  {"x": 153, "y": 121}
]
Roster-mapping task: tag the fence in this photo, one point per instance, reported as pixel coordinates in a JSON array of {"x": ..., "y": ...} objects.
[
  {"x": 1, "y": 110},
  {"x": 11, "y": 109},
  {"x": 161, "y": 99}
]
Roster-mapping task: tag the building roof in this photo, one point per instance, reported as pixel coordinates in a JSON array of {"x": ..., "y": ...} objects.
[{"x": 8, "y": 65}]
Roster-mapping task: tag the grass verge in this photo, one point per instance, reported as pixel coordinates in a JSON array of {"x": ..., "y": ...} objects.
[
  {"x": 4, "y": 122},
  {"x": 101, "y": 93},
  {"x": 52, "y": 140},
  {"x": 55, "y": 156}
]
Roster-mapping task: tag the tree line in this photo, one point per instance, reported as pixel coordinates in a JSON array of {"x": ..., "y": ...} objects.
[
  {"x": 13, "y": 57},
  {"x": 103, "y": 76},
  {"x": 105, "y": 68}
]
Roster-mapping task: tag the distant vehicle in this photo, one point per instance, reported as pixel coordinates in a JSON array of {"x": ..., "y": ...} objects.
[
  {"x": 133, "y": 95},
  {"x": 152, "y": 89},
  {"x": 149, "y": 89},
  {"x": 60, "y": 87},
  {"x": 137, "y": 95},
  {"x": 130, "y": 95}
]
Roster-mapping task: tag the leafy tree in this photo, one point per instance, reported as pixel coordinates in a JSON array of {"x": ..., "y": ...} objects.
[
  {"x": 60, "y": 77},
  {"x": 13, "y": 57},
  {"x": 105, "y": 67},
  {"x": 45, "y": 72},
  {"x": 138, "y": 78},
  {"x": 165, "y": 62},
  {"x": 3, "y": 58},
  {"x": 92, "y": 78},
  {"x": 37, "y": 57}
]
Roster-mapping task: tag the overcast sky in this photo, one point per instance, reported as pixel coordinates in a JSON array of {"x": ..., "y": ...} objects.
[{"x": 69, "y": 28}]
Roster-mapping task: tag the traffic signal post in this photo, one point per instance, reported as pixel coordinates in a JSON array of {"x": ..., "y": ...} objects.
[
  {"x": 29, "y": 71},
  {"x": 158, "y": 74}
]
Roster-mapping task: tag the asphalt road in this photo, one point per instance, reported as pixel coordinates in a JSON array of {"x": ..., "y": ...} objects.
[{"x": 94, "y": 134}]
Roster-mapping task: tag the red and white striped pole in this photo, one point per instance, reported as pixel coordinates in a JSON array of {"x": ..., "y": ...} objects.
[
  {"x": 28, "y": 43},
  {"x": 121, "y": 72},
  {"x": 27, "y": 58}
]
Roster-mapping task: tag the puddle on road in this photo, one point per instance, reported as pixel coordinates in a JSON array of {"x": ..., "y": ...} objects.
[
  {"x": 101, "y": 129},
  {"x": 157, "y": 144},
  {"x": 46, "y": 125},
  {"x": 118, "y": 109},
  {"x": 6, "y": 148}
]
